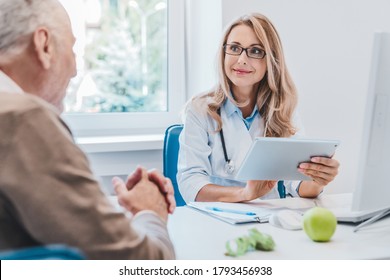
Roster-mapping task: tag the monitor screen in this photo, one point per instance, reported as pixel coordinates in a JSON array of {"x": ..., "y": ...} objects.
[{"x": 373, "y": 189}]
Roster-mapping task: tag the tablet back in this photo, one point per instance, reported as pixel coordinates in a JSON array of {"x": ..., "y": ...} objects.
[{"x": 278, "y": 158}]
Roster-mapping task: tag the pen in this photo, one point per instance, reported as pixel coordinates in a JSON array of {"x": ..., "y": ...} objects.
[{"x": 231, "y": 211}]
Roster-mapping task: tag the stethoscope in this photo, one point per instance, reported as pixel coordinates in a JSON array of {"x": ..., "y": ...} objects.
[{"x": 229, "y": 164}]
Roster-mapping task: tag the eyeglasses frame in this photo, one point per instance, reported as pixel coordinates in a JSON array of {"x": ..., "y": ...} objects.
[{"x": 243, "y": 49}]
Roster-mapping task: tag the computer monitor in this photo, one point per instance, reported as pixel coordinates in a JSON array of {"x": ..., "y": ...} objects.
[{"x": 373, "y": 189}]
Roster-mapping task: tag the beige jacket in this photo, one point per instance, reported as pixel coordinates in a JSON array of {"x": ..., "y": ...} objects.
[{"x": 49, "y": 195}]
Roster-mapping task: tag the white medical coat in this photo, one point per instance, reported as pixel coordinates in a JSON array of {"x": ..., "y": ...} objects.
[{"x": 201, "y": 158}]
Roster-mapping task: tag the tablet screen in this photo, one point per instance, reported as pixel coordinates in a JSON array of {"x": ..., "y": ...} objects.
[{"x": 278, "y": 158}]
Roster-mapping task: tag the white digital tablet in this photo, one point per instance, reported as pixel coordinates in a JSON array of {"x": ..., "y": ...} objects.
[{"x": 278, "y": 158}]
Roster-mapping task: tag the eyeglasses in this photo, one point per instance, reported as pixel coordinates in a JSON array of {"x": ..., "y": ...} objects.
[{"x": 252, "y": 52}]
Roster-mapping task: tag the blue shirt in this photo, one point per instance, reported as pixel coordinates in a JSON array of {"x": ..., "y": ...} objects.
[{"x": 231, "y": 109}]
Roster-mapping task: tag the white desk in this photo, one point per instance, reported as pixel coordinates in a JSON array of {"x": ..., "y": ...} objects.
[{"x": 198, "y": 236}]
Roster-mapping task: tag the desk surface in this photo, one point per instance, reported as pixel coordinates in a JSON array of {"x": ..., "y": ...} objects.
[{"x": 196, "y": 235}]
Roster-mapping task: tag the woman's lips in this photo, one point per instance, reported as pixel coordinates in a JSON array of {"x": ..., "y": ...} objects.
[{"x": 241, "y": 71}]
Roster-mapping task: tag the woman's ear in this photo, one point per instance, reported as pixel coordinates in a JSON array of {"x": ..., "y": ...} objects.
[{"x": 43, "y": 45}]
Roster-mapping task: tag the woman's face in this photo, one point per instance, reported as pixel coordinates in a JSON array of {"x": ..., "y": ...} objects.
[{"x": 244, "y": 72}]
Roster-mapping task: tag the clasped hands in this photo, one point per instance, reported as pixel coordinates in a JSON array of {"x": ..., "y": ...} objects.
[{"x": 146, "y": 190}]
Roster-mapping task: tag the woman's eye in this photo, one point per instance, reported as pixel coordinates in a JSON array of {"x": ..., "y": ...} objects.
[
  {"x": 256, "y": 51},
  {"x": 235, "y": 48}
]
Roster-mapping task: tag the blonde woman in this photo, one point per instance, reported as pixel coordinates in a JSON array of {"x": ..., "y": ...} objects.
[{"x": 255, "y": 97}]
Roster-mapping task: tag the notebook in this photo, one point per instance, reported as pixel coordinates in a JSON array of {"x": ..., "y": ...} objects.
[
  {"x": 256, "y": 211},
  {"x": 372, "y": 193}
]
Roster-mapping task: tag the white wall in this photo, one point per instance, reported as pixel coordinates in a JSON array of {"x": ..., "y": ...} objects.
[
  {"x": 203, "y": 26},
  {"x": 107, "y": 165},
  {"x": 328, "y": 51}
]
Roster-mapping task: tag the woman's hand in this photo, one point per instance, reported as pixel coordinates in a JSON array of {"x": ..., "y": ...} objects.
[
  {"x": 322, "y": 170},
  {"x": 255, "y": 189}
]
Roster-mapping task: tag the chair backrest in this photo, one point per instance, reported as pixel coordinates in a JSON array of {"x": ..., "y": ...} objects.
[
  {"x": 281, "y": 189},
  {"x": 170, "y": 155},
  {"x": 48, "y": 252}
]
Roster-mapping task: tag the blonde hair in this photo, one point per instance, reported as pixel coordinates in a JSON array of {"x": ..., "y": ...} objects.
[{"x": 276, "y": 95}]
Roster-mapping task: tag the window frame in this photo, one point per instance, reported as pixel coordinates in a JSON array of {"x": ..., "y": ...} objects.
[{"x": 111, "y": 124}]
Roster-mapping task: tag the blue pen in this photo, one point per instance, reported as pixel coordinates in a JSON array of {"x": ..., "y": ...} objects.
[{"x": 231, "y": 211}]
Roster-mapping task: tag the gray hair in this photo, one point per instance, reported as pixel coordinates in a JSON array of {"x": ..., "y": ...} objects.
[{"x": 20, "y": 18}]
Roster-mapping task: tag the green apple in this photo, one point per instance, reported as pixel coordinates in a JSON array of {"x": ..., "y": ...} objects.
[{"x": 319, "y": 224}]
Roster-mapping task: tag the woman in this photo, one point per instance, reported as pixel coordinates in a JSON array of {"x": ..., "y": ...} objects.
[{"x": 255, "y": 97}]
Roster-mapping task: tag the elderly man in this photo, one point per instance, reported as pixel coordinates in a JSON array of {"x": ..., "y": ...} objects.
[{"x": 47, "y": 191}]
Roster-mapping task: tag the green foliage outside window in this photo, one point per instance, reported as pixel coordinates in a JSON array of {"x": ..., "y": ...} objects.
[{"x": 126, "y": 59}]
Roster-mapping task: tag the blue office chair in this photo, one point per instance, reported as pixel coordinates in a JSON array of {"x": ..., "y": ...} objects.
[
  {"x": 48, "y": 252},
  {"x": 281, "y": 189},
  {"x": 170, "y": 155}
]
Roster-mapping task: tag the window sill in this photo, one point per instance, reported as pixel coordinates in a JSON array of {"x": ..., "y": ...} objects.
[{"x": 103, "y": 144}]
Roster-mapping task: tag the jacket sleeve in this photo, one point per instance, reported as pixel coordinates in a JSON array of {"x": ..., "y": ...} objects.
[
  {"x": 57, "y": 199},
  {"x": 194, "y": 167}
]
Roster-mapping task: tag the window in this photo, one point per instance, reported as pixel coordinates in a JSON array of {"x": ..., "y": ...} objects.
[{"x": 130, "y": 66}]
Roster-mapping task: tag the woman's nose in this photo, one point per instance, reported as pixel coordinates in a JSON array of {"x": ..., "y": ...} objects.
[{"x": 243, "y": 58}]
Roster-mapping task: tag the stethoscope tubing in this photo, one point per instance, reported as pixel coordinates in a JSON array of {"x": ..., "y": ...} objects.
[{"x": 229, "y": 167}]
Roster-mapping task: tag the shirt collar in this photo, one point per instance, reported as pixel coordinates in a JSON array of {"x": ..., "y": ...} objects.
[
  {"x": 230, "y": 109},
  {"x": 8, "y": 85}
]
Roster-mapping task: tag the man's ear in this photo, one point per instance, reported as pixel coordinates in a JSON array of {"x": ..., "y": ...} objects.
[{"x": 43, "y": 44}]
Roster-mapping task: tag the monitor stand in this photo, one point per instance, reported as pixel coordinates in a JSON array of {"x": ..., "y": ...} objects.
[{"x": 373, "y": 219}]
